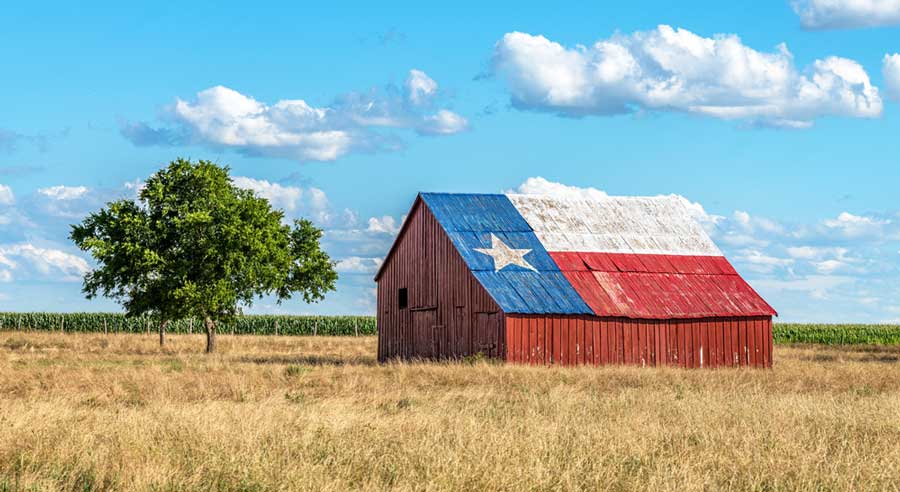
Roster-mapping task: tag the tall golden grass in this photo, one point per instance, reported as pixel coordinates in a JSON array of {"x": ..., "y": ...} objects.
[{"x": 91, "y": 412}]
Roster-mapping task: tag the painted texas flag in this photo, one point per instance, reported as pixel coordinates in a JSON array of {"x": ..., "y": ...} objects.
[{"x": 634, "y": 257}]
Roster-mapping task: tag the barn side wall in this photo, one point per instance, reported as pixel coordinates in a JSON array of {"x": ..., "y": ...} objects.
[
  {"x": 449, "y": 313},
  {"x": 583, "y": 340}
]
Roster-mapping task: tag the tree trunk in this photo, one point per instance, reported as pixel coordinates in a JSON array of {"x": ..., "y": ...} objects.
[
  {"x": 162, "y": 332},
  {"x": 210, "y": 335}
]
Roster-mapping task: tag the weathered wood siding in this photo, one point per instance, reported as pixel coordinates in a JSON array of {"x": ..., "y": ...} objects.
[
  {"x": 591, "y": 340},
  {"x": 449, "y": 314}
]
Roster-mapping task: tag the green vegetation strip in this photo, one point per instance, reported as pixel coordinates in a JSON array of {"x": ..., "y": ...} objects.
[
  {"x": 242, "y": 325},
  {"x": 833, "y": 334},
  {"x": 825, "y": 334}
]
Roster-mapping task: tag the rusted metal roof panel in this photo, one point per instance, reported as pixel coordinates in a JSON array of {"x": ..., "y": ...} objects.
[{"x": 613, "y": 284}]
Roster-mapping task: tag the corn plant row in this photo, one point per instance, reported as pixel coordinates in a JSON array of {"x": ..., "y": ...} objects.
[
  {"x": 242, "y": 325},
  {"x": 826, "y": 334},
  {"x": 836, "y": 334}
]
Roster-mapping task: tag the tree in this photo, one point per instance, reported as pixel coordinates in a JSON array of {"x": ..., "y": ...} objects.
[{"x": 193, "y": 244}]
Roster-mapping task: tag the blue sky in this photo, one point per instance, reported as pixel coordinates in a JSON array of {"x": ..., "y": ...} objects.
[{"x": 780, "y": 121}]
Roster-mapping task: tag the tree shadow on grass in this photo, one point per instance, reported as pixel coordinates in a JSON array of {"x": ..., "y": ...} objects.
[{"x": 310, "y": 360}]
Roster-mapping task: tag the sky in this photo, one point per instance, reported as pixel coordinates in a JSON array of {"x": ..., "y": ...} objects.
[{"x": 777, "y": 120}]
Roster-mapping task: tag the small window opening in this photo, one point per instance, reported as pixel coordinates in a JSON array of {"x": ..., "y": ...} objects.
[{"x": 403, "y": 298}]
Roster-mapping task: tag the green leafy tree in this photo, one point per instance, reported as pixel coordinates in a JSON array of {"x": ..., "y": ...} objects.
[{"x": 193, "y": 244}]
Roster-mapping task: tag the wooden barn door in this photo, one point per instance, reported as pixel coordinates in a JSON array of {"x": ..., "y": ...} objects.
[
  {"x": 487, "y": 333},
  {"x": 424, "y": 345}
]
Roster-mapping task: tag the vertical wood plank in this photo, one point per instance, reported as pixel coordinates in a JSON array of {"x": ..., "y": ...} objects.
[
  {"x": 626, "y": 341},
  {"x": 604, "y": 341},
  {"x": 573, "y": 341},
  {"x": 538, "y": 340}
]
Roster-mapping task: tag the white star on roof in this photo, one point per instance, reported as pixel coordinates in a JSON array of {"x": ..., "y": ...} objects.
[{"x": 504, "y": 256}]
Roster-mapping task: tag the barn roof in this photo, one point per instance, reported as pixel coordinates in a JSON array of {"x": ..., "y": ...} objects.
[{"x": 634, "y": 257}]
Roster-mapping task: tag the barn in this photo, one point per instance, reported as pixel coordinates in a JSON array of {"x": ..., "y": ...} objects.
[{"x": 569, "y": 281}]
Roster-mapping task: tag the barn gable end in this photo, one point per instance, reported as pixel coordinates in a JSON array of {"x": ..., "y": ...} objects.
[{"x": 448, "y": 312}]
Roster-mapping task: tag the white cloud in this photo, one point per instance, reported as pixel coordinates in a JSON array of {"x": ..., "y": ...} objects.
[
  {"x": 541, "y": 186},
  {"x": 47, "y": 262},
  {"x": 385, "y": 224},
  {"x": 356, "y": 264},
  {"x": 891, "y": 71},
  {"x": 670, "y": 69},
  {"x": 850, "y": 225},
  {"x": 755, "y": 223},
  {"x": 760, "y": 262},
  {"x": 311, "y": 203},
  {"x": 282, "y": 197},
  {"x": 443, "y": 122},
  {"x": 804, "y": 252},
  {"x": 827, "y": 260},
  {"x": 292, "y": 128},
  {"x": 420, "y": 88},
  {"x": 829, "y": 266},
  {"x": 844, "y": 14},
  {"x": 6, "y": 195},
  {"x": 815, "y": 252},
  {"x": 61, "y": 192},
  {"x": 134, "y": 188}
]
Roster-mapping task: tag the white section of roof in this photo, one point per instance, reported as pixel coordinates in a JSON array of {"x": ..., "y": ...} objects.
[{"x": 645, "y": 225}]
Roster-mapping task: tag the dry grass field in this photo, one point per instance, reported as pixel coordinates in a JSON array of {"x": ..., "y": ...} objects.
[{"x": 90, "y": 412}]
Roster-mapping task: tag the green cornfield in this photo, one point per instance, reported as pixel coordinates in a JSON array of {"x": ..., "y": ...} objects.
[
  {"x": 837, "y": 334},
  {"x": 824, "y": 334},
  {"x": 242, "y": 325}
]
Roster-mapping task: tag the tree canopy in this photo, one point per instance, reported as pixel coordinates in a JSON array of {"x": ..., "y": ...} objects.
[{"x": 194, "y": 244}]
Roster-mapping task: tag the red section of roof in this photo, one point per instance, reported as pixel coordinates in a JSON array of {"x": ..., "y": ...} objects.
[{"x": 660, "y": 286}]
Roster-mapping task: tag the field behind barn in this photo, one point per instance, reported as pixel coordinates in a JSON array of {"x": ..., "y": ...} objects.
[{"x": 115, "y": 412}]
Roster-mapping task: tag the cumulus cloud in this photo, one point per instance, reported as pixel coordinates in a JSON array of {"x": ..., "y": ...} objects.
[
  {"x": 6, "y": 195},
  {"x": 221, "y": 117},
  {"x": 760, "y": 262},
  {"x": 35, "y": 261},
  {"x": 541, "y": 186},
  {"x": 891, "y": 71},
  {"x": 849, "y": 225},
  {"x": 385, "y": 224},
  {"x": 61, "y": 192},
  {"x": 356, "y": 264},
  {"x": 443, "y": 122},
  {"x": 420, "y": 88},
  {"x": 846, "y": 14},
  {"x": 670, "y": 69},
  {"x": 310, "y": 203},
  {"x": 283, "y": 197}
]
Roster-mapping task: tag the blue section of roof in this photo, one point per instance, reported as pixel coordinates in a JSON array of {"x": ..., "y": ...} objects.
[
  {"x": 467, "y": 242},
  {"x": 470, "y": 221},
  {"x": 475, "y": 213}
]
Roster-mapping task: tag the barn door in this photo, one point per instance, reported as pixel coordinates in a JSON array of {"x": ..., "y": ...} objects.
[
  {"x": 487, "y": 333},
  {"x": 423, "y": 334}
]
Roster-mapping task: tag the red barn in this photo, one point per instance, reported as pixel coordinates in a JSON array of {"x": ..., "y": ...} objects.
[{"x": 547, "y": 280}]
